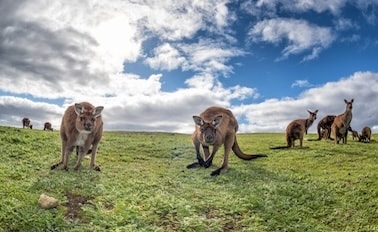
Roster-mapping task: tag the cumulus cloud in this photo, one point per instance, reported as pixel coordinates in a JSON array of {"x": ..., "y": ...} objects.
[
  {"x": 276, "y": 114},
  {"x": 299, "y": 34},
  {"x": 70, "y": 52}
]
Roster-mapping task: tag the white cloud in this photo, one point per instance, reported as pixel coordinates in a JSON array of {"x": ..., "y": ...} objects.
[
  {"x": 165, "y": 57},
  {"x": 162, "y": 111},
  {"x": 270, "y": 8},
  {"x": 300, "y": 35},
  {"x": 301, "y": 84},
  {"x": 76, "y": 51},
  {"x": 276, "y": 114}
]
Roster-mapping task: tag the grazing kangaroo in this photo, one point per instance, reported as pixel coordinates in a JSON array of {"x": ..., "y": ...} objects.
[
  {"x": 354, "y": 134},
  {"x": 342, "y": 122},
  {"x": 296, "y": 130},
  {"x": 325, "y": 124},
  {"x": 26, "y": 123},
  {"x": 48, "y": 126},
  {"x": 215, "y": 127},
  {"x": 365, "y": 134},
  {"x": 81, "y": 126}
]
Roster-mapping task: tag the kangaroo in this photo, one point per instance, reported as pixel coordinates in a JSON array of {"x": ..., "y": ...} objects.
[
  {"x": 81, "y": 126},
  {"x": 48, "y": 126},
  {"x": 296, "y": 130},
  {"x": 365, "y": 134},
  {"x": 325, "y": 123},
  {"x": 216, "y": 126},
  {"x": 26, "y": 123},
  {"x": 354, "y": 134},
  {"x": 325, "y": 133},
  {"x": 341, "y": 123}
]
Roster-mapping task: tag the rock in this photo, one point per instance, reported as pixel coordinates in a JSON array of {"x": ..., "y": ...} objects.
[{"x": 47, "y": 202}]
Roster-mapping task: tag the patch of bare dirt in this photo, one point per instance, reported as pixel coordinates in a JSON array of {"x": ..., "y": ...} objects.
[{"x": 74, "y": 204}]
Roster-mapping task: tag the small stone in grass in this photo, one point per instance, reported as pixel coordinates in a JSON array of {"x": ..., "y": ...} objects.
[{"x": 47, "y": 202}]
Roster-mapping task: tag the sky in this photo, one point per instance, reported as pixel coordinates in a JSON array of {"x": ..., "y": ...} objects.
[{"x": 155, "y": 64}]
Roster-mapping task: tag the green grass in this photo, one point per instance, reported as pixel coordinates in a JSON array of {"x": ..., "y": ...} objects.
[{"x": 145, "y": 186}]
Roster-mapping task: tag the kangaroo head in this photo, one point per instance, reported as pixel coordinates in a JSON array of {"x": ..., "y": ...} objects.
[
  {"x": 312, "y": 114},
  {"x": 208, "y": 129},
  {"x": 349, "y": 104},
  {"x": 86, "y": 118}
]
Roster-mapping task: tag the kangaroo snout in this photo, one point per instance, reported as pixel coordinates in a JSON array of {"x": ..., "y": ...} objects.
[
  {"x": 209, "y": 138},
  {"x": 88, "y": 126}
]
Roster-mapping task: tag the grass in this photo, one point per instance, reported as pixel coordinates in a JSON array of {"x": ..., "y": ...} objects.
[{"x": 144, "y": 185}]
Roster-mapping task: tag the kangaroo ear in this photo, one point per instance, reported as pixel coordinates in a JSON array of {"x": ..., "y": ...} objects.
[
  {"x": 316, "y": 111},
  {"x": 98, "y": 111},
  {"x": 78, "y": 109},
  {"x": 352, "y": 100},
  {"x": 198, "y": 120},
  {"x": 217, "y": 120}
]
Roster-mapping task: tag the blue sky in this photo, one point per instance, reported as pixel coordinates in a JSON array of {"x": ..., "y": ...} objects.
[{"x": 154, "y": 64}]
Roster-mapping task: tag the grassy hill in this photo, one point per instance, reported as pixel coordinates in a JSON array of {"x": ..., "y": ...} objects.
[{"x": 144, "y": 185}]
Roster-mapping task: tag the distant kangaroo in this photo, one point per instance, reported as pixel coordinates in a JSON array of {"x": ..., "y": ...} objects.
[
  {"x": 342, "y": 122},
  {"x": 325, "y": 133},
  {"x": 26, "y": 123},
  {"x": 215, "y": 127},
  {"x": 48, "y": 126},
  {"x": 354, "y": 134},
  {"x": 365, "y": 134},
  {"x": 81, "y": 126},
  {"x": 296, "y": 130},
  {"x": 325, "y": 124}
]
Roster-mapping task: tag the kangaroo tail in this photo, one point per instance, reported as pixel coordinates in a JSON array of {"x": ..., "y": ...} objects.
[
  {"x": 242, "y": 155},
  {"x": 279, "y": 147}
]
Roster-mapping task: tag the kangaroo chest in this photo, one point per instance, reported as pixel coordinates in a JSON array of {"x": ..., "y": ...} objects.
[{"x": 81, "y": 138}]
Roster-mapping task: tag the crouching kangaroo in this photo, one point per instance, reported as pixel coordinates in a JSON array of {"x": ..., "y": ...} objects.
[
  {"x": 81, "y": 126},
  {"x": 342, "y": 122},
  {"x": 296, "y": 130},
  {"x": 365, "y": 134},
  {"x": 215, "y": 127}
]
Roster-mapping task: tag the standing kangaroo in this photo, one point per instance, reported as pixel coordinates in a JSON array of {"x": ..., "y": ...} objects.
[
  {"x": 342, "y": 122},
  {"x": 81, "y": 126},
  {"x": 325, "y": 124},
  {"x": 296, "y": 130},
  {"x": 215, "y": 127}
]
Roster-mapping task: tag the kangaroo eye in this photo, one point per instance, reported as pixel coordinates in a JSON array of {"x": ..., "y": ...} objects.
[
  {"x": 93, "y": 119},
  {"x": 82, "y": 118}
]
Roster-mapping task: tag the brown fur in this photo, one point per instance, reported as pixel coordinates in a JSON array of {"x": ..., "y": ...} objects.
[
  {"x": 81, "y": 126},
  {"x": 325, "y": 133},
  {"x": 342, "y": 122},
  {"x": 215, "y": 127},
  {"x": 296, "y": 130},
  {"x": 365, "y": 134},
  {"x": 354, "y": 134},
  {"x": 48, "y": 126},
  {"x": 26, "y": 123},
  {"x": 325, "y": 124}
]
